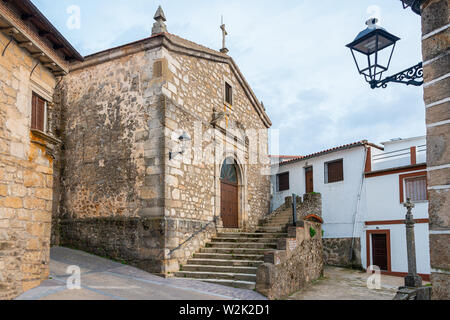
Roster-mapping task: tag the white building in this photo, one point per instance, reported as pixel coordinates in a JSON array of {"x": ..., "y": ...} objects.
[{"x": 363, "y": 188}]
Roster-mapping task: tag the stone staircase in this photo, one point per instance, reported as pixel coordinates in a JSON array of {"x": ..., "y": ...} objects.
[{"x": 232, "y": 257}]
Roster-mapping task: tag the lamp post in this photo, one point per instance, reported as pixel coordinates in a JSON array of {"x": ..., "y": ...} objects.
[{"x": 372, "y": 51}]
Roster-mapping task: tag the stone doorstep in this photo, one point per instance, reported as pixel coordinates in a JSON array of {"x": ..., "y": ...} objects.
[
  {"x": 235, "y": 250},
  {"x": 253, "y": 234},
  {"x": 224, "y": 256},
  {"x": 222, "y": 262},
  {"x": 245, "y": 240},
  {"x": 249, "y": 245},
  {"x": 220, "y": 269},
  {"x": 228, "y": 230},
  {"x": 216, "y": 275}
]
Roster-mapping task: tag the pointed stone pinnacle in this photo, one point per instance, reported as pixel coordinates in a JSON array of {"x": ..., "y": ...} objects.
[
  {"x": 160, "y": 14},
  {"x": 159, "y": 26}
]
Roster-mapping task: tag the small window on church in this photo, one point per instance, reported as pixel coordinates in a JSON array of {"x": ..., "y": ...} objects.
[
  {"x": 228, "y": 93},
  {"x": 38, "y": 113}
]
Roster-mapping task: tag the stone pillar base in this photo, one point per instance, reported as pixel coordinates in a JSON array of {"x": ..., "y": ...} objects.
[{"x": 409, "y": 293}]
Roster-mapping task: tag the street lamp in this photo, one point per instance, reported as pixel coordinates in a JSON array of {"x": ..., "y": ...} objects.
[
  {"x": 184, "y": 139},
  {"x": 414, "y": 4},
  {"x": 372, "y": 51}
]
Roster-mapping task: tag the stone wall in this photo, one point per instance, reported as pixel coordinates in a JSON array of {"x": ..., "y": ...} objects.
[
  {"x": 436, "y": 60},
  {"x": 297, "y": 262},
  {"x": 337, "y": 252},
  {"x": 112, "y": 185},
  {"x": 194, "y": 91},
  {"x": 26, "y": 172},
  {"x": 123, "y": 111}
]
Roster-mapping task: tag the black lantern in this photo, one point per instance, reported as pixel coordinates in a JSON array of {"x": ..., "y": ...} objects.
[
  {"x": 367, "y": 47},
  {"x": 184, "y": 139},
  {"x": 414, "y": 4}
]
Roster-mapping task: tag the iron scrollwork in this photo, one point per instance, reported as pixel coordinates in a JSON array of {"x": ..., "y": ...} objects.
[{"x": 412, "y": 76}]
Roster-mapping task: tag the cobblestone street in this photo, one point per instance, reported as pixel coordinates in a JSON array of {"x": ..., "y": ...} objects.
[
  {"x": 102, "y": 279},
  {"x": 346, "y": 284}
]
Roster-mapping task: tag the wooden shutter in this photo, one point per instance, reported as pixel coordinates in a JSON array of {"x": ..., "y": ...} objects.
[
  {"x": 335, "y": 171},
  {"x": 228, "y": 93},
  {"x": 33, "y": 112},
  {"x": 416, "y": 188},
  {"x": 283, "y": 181},
  {"x": 37, "y": 113}
]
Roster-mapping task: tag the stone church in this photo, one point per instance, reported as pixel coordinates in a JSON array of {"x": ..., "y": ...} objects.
[{"x": 139, "y": 153}]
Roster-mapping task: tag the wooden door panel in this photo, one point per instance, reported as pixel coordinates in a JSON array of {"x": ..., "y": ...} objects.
[
  {"x": 309, "y": 180},
  {"x": 229, "y": 205},
  {"x": 379, "y": 251}
]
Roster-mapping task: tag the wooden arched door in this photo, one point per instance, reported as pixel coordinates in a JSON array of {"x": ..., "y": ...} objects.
[{"x": 229, "y": 194}]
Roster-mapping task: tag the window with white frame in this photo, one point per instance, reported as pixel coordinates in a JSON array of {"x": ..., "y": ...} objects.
[{"x": 416, "y": 188}]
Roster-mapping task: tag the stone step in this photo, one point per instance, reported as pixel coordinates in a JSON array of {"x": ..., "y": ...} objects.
[
  {"x": 275, "y": 223},
  {"x": 216, "y": 275},
  {"x": 225, "y": 256},
  {"x": 233, "y": 251},
  {"x": 260, "y": 240},
  {"x": 250, "y": 285},
  {"x": 252, "y": 235},
  {"x": 219, "y": 269},
  {"x": 250, "y": 245},
  {"x": 281, "y": 219},
  {"x": 271, "y": 229},
  {"x": 224, "y": 262}
]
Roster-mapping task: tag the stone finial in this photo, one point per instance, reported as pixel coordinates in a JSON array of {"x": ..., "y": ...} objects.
[
  {"x": 224, "y": 34},
  {"x": 372, "y": 23},
  {"x": 159, "y": 26}
]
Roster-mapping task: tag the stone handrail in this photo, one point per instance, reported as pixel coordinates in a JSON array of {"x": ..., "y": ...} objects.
[{"x": 297, "y": 262}]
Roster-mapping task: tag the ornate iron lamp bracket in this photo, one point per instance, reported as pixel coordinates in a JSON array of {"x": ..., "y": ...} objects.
[{"x": 412, "y": 76}]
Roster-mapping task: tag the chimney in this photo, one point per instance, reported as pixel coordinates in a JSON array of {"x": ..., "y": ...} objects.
[{"x": 159, "y": 26}]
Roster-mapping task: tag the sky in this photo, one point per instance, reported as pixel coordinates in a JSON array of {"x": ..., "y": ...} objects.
[{"x": 291, "y": 52}]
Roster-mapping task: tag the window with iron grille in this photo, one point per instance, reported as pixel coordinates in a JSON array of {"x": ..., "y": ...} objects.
[
  {"x": 38, "y": 113},
  {"x": 228, "y": 93},
  {"x": 334, "y": 171},
  {"x": 416, "y": 189},
  {"x": 283, "y": 181}
]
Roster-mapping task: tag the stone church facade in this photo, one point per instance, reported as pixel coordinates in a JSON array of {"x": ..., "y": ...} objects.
[
  {"x": 124, "y": 110},
  {"x": 147, "y": 150}
]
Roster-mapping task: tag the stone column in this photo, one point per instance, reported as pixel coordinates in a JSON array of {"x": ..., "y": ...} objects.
[
  {"x": 412, "y": 279},
  {"x": 436, "y": 61}
]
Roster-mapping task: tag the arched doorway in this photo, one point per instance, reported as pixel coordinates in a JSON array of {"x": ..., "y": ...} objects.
[{"x": 229, "y": 191}]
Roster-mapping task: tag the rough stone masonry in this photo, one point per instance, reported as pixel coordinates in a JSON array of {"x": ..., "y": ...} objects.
[
  {"x": 436, "y": 61},
  {"x": 123, "y": 110},
  {"x": 29, "y": 65}
]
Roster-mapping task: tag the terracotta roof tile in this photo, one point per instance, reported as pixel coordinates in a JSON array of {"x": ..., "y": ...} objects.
[{"x": 343, "y": 147}]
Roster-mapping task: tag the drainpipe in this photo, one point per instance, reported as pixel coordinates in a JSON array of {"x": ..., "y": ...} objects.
[{"x": 358, "y": 201}]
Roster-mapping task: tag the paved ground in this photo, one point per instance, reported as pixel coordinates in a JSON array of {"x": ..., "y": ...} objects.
[
  {"x": 346, "y": 284},
  {"x": 102, "y": 279}
]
